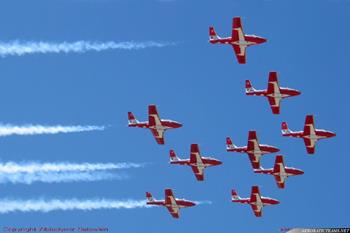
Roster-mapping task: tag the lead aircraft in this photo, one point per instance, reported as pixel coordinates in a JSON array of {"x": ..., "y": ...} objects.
[
  {"x": 170, "y": 202},
  {"x": 274, "y": 92},
  {"x": 253, "y": 149},
  {"x": 155, "y": 124},
  {"x": 256, "y": 201},
  {"x": 310, "y": 134},
  {"x": 196, "y": 161},
  {"x": 238, "y": 40},
  {"x": 280, "y": 172}
]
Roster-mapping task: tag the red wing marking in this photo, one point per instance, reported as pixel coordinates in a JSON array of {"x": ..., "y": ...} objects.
[
  {"x": 279, "y": 181},
  {"x": 158, "y": 135},
  {"x": 255, "y": 194},
  {"x": 274, "y": 104},
  {"x": 254, "y": 161},
  {"x": 310, "y": 145},
  {"x": 240, "y": 52},
  {"x": 257, "y": 210},
  {"x": 199, "y": 173},
  {"x": 173, "y": 212}
]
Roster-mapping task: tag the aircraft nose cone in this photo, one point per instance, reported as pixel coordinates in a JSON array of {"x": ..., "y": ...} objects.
[
  {"x": 277, "y": 201},
  {"x": 262, "y": 40},
  {"x": 275, "y": 149},
  {"x": 300, "y": 172},
  {"x": 297, "y": 93},
  {"x": 218, "y": 162},
  {"x": 178, "y": 125},
  {"x": 332, "y": 134}
]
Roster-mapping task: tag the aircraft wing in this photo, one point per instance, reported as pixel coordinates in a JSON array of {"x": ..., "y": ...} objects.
[
  {"x": 238, "y": 35},
  {"x": 253, "y": 145},
  {"x": 257, "y": 210},
  {"x": 240, "y": 52},
  {"x": 255, "y": 194},
  {"x": 273, "y": 88},
  {"x": 255, "y": 197},
  {"x": 280, "y": 181},
  {"x": 310, "y": 145},
  {"x": 174, "y": 212},
  {"x": 155, "y": 124},
  {"x": 309, "y": 130},
  {"x": 153, "y": 116},
  {"x": 198, "y": 172},
  {"x": 158, "y": 135},
  {"x": 254, "y": 160},
  {"x": 237, "y": 29},
  {"x": 275, "y": 104},
  {"x": 196, "y": 160},
  {"x": 309, "y": 127},
  {"x": 171, "y": 204}
]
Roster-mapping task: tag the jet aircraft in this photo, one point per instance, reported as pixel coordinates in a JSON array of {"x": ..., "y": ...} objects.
[
  {"x": 280, "y": 172},
  {"x": 274, "y": 92},
  {"x": 256, "y": 201},
  {"x": 310, "y": 134},
  {"x": 253, "y": 149},
  {"x": 155, "y": 124},
  {"x": 170, "y": 202},
  {"x": 238, "y": 40},
  {"x": 196, "y": 161}
]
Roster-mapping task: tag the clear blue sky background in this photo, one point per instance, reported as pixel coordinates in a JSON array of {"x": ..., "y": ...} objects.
[{"x": 194, "y": 82}]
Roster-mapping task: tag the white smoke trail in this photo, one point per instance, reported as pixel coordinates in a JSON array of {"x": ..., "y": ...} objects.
[
  {"x": 203, "y": 202},
  {"x": 8, "y": 205},
  {"x": 8, "y": 130},
  {"x": 22, "y": 48},
  {"x": 32, "y": 167},
  {"x": 27, "y": 173},
  {"x": 58, "y": 177}
]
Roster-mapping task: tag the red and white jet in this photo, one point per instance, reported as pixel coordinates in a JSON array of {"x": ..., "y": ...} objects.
[
  {"x": 196, "y": 161},
  {"x": 155, "y": 124},
  {"x": 280, "y": 172},
  {"x": 310, "y": 134},
  {"x": 238, "y": 40},
  {"x": 274, "y": 92},
  {"x": 253, "y": 149},
  {"x": 171, "y": 203},
  {"x": 256, "y": 201}
]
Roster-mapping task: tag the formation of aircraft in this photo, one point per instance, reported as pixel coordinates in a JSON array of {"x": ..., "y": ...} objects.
[
  {"x": 310, "y": 134},
  {"x": 238, "y": 40},
  {"x": 196, "y": 161},
  {"x": 256, "y": 201},
  {"x": 170, "y": 202},
  {"x": 253, "y": 149},
  {"x": 274, "y": 92},
  {"x": 157, "y": 125},
  {"x": 280, "y": 172}
]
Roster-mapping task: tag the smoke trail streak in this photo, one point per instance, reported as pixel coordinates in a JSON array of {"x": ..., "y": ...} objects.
[
  {"x": 58, "y": 177},
  {"x": 8, "y": 130},
  {"x": 11, "y": 167},
  {"x": 203, "y": 202},
  {"x": 8, "y": 205},
  {"x": 22, "y": 48}
]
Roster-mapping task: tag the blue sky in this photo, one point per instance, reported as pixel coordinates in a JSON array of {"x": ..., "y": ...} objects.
[{"x": 199, "y": 84}]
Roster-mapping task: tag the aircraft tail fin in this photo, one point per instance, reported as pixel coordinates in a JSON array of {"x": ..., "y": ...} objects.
[
  {"x": 234, "y": 195},
  {"x": 285, "y": 129},
  {"x": 248, "y": 87},
  {"x": 149, "y": 197},
  {"x": 131, "y": 118},
  {"x": 173, "y": 156},
  {"x": 212, "y": 34},
  {"x": 229, "y": 144}
]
